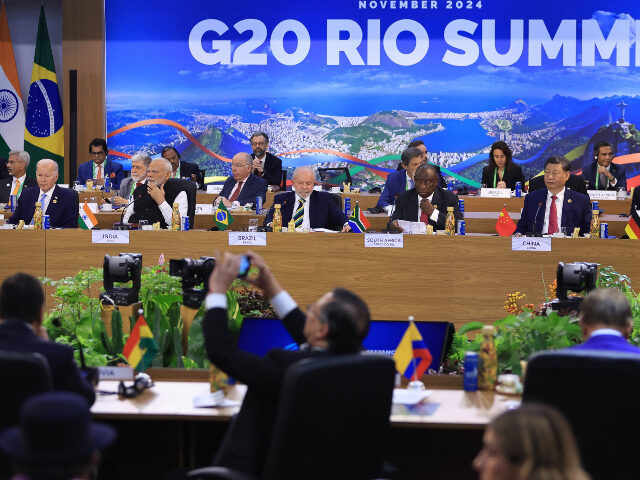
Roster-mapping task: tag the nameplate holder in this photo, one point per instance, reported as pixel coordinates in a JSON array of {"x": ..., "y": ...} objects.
[
  {"x": 204, "y": 209},
  {"x": 255, "y": 239},
  {"x": 495, "y": 192},
  {"x": 602, "y": 194},
  {"x": 93, "y": 207},
  {"x": 115, "y": 373},
  {"x": 383, "y": 240},
  {"x": 531, "y": 244},
  {"x": 214, "y": 188},
  {"x": 110, "y": 236}
]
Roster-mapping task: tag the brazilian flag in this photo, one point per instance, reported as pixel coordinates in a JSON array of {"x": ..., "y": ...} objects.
[
  {"x": 44, "y": 132},
  {"x": 222, "y": 217}
]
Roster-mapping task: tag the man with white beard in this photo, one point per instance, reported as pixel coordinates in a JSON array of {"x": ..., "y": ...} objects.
[{"x": 139, "y": 164}]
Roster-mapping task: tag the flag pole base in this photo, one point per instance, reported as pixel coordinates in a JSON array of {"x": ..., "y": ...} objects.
[{"x": 415, "y": 385}]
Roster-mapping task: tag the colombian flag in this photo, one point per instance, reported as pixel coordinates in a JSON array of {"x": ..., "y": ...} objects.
[
  {"x": 358, "y": 222},
  {"x": 141, "y": 348},
  {"x": 222, "y": 217},
  {"x": 44, "y": 132},
  {"x": 412, "y": 356}
]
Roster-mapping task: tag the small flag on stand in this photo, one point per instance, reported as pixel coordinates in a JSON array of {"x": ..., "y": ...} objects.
[
  {"x": 141, "y": 348},
  {"x": 222, "y": 217},
  {"x": 633, "y": 227},
  {"x": 357, "y": 221},
  {"x": 505, "y": 226},
  {"x": 86, "y": 219},
  {"x": 412, "y": 356}
]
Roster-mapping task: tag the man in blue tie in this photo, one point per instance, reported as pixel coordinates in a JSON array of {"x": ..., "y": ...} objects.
[{"x": 61, "y": 204}]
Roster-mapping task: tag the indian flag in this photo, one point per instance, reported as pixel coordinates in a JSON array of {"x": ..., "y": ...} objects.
[
  {"x": 86, "y": 219},
  {"x": 357, "y": 221},
  {"x": 44, "y": 132},
  {"x": 141, "y": 348},
  {"x": 11, "y": 107}
]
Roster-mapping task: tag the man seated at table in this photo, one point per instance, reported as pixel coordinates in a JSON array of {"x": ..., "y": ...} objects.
[
  {"x": 575, "y": 183},
  {"x": 242, "y": 186},
  {"x": 21, "y": 330},
  {"x": 61, "y": 204},
  {"x": 602, "y": 174},
  {"x": 307, "y": 207},
  {"x": 606, "y": 321},
  {"x": 426, "y": 202},
  {"x": 153, "y": 200},
  {"x": 265, "y": 165},
  {"x": 401, "y": 180},
  {"x": 555, "y": 207},
  {"x": 181, "y": 168},
  {"x": 335, "y": 324},
  {"x": 139, "y": 164},
  {"x": 17, "y": 167},
  {"x": 99, "y": 168},
  {"x": 419, "y": 144}
]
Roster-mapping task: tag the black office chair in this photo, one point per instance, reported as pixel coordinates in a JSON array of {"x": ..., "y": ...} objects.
[
  {"x": 283, "y": 186},
  {"x": 23, "y": 375},
  {"x": 191, "y": 190},
  {"x": 202, "y": 175},
  {"x": 337, "y": 199},
  {"x": 575, "y": 183},
  {"x": 597, "y": 391},
  {"x": 332, "y": 421}
]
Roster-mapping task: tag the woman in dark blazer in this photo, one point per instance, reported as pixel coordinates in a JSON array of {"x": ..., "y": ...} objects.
[{"x": 501, "y": 171}]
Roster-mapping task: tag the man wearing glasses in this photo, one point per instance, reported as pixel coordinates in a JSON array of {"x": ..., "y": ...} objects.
[
  {"x": 555, "y": 209},
  {"x": 265, "y": 165},
  {"x": 99, "y": 168},
  {"x": 242, "y": 186}
]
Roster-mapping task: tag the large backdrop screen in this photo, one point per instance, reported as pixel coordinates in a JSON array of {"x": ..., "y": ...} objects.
[{"x": 352, "y": 82}]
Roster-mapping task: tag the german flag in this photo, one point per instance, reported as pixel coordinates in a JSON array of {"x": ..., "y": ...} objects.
[
  {"x": 633, "y": 227},
  {"x": 141, "y": 348}
]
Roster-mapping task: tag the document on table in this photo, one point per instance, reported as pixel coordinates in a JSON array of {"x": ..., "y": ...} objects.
[
  {"x": 214, "y": 399},
  {"x": 412, "y": 227},
  {"x": 410, "y": 397}
]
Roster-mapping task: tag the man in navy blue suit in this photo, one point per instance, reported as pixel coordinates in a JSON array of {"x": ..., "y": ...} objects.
[
  {"x": 21, "y": 330},
  {"x": 242, "y": 186},
  {"x": 606, "y": 321},
  {"x": 307, "y": 207},
  {"x": 265, "y": 165},
  {"x": 602, "y": 174},
  {"x": 401, "y": 180},
  {"x": 99, "y": 168},
  {"x": 61, "y": 204},
  {"x": 549, "y": 209}
]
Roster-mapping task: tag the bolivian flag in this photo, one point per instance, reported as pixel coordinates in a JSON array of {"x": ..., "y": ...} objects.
[
  {"x": 633, "y": 228},
  {"x": 412, "y": 356},
  {"x": 141, "y": 348},
  {"x": 222, "y": 217},
  {"x": 44, "y": 133}
]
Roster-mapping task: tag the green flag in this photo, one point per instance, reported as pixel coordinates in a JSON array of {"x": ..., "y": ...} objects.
[
  {"x": 44, "y": 132},
  {"x": 222, "y": 217}
]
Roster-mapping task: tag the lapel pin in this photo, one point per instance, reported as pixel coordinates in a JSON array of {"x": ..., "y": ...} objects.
[
  {"x": 55, "y": 200},
  {"x": 569, "y": 201}
]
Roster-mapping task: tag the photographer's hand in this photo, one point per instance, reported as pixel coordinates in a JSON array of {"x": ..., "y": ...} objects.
[{"x": 225, "y": 272}]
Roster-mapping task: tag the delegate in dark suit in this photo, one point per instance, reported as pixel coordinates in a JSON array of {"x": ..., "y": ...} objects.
[
  {"x": 246, "y": 444},
  {"x": 187, "y": 169},
  {"x": 253, "y": 187},
  {"x": 618, "y": 171},
  {"x": 272, "y": 169},
  {"x": 4, "y": 173},
  {"x": 5, "y": 187},
  {"x": 18, "y": 336},
  {"x": 607, "y": 342},
  {"x": 323, "y": 212},
  {"x": 62, "y": 209},
  {"x": 576, "y": 212},
  {"x": 575, "y": 183},
  {"x": 512, "y": 175},
  {"x": 407, "y": 207},
  {"x": 112, "y": 170},
  {"x": 396, "y": 183}
]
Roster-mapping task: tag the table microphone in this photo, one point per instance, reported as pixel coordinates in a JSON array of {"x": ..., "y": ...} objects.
[
  {"x": 125, "y": 226},
  {"x": 535, "y": 219}
]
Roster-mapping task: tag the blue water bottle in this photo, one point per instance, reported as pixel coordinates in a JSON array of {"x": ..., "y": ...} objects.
[
  {"x": 518, "y": 189},
  {"x": 107, "y": 185},
  {"x": 461, "y": 205},
  {"x": 470, "y": 381},
  {"x": 450, "y": 186},
  {"x": 347, "y": 206},
  {"x": 13, "y": 202},
  {"x": 258, "y": 205}
]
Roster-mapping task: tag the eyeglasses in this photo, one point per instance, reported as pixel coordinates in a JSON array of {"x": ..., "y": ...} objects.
[
  {"x": 98, "y": 154},
  {"x": 258, "y": 144},
  {"x": 239, "y": 165}
]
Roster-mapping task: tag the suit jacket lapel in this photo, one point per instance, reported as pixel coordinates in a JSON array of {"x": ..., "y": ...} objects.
[
  {"x": 542, "y": 203},
  {"x": 313, "y": 208},
  {"x": 566, "y": 205}
]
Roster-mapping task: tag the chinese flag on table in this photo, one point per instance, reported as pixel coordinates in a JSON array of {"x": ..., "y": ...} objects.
[{"x": 504, "y": 225}]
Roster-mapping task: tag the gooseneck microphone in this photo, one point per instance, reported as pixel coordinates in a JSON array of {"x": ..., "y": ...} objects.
[
  {"x": 126, "y": 226},
  {"x": 535, "y": 219}
]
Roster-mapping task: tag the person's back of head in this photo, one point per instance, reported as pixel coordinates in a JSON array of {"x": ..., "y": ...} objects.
[
  {"x": 606, "y": 307},
  {"x": 538, "y": 443},
  {"x": 348, "y": 318},
  {"x": 21, "y": 298}
]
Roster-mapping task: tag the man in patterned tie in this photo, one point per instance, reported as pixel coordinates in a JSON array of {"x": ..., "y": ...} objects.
[
  {"x": 555, "y": 209},
  {"x": 17, "y": 166},
  {"x": 61, "y": 204},
  {"x": 242, "y": 186},
  {"x": 308, "y": 208},
  {"x": 139, "y": 164}
]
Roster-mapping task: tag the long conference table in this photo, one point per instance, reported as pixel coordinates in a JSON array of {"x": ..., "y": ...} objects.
[{"x": 440, "y": 278}]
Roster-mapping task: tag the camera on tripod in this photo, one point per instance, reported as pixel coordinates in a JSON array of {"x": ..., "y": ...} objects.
[
  {"x": 125, "y": 268},
  {"x": 194, "y": 275}
]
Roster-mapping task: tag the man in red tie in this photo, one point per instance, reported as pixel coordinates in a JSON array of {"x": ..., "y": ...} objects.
[
  {"x": 139, "y": 164},
  {"x": 426, "y": 202},
  {"x": 242, "y": 186},
  {"x": 555, "y": 209}
]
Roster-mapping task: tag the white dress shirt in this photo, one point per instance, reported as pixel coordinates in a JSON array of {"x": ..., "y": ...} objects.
[
  {"x": 262, "y": 161},
  {"x": 559, "y": 203},
  {"x": 13, "y": 182},
  {"x": 434, "y": 216},
  {"x": 47, "y": 199},
  {"x": 306, "y": 222},
  {"x": 165, "y": 209}
]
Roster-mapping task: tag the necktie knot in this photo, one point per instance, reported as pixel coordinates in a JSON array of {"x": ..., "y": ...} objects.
[{"x": 554, "y": 197}]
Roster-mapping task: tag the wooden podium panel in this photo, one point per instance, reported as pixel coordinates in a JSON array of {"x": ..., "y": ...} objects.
[{"x": 22, "y": 251}]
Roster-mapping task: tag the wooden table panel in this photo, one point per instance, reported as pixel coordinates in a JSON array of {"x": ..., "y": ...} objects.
[{"x": 23, "y": 251}]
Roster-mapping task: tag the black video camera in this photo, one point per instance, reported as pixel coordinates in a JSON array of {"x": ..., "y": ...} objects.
[
  {"x": 127, "y": 267},
  {"x": 194, "y": 274},
  {"x": 575, "y": 277}
]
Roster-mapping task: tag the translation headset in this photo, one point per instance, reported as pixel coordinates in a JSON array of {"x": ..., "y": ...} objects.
[{"x": 141, "y": 383}]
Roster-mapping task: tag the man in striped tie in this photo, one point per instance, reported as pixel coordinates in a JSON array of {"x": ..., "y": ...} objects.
[
  {"x": 61, "y": 204},
  {"x": 17, "y": 166}
]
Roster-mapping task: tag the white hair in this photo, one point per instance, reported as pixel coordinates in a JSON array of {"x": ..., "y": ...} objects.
[
  {"x": 165, "y": 163},
  {"x": 303, "y": 169},
  {"x": 48, "y": 160},
  {"x": 22, "y": 155},
  {"x": 141, "y": 157}
]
